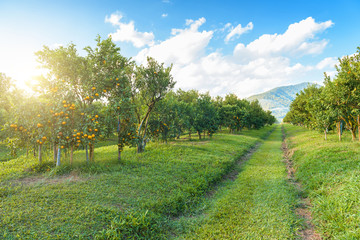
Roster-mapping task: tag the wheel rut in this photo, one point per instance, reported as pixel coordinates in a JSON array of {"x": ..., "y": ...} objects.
[{"x": 307, "y": 232}]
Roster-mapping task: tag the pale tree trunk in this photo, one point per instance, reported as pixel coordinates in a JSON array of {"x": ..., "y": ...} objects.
[
  {"x": 58, "y": 157},
  {"x": 87, "y": 154},
  {"x": 71, "y": 154},
  {"x": 325, "y": 134},
  {"x": 339, "y": 130},
  {"x": 358, "y": 125},
  {"x": 40, "y": 156}
]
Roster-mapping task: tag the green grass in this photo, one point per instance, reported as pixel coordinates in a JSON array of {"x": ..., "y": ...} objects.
[
  {"x": 329, "y": 172},
  {"x": 139, "y": 197},
  {"x": 259, "y": 204}
]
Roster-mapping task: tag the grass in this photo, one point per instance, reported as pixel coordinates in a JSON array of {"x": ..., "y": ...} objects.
[
  {"x": 329, "y": 172},
  {"x": 139, "y": 197},
  {"x": 259, "y": 204}
]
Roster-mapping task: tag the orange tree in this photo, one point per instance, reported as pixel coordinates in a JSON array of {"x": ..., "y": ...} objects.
[
  {"x": 206, "y": 116},
  {"x": 112, "y": 74},
  {"x": 152, "y": 83},
  {"x": 70, "y": 82}
]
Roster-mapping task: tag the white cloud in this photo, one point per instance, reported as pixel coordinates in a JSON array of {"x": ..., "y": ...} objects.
[
  {"x": 164, "y": 15},
  {"x": 263, "y": 64},
  {"x": 327, "y": 63},
  {"x": 296, "y": 40},
  {"x": 126, "y": 32},
  {"x": 183, "y": 47},
  {"x": 237, "y": 31}
]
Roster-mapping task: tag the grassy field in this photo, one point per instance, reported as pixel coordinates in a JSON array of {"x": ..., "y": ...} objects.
[
  {"x": 259, "y": 204},
  {"x": 330, "y": 175},
  {"x": 142, "y": 197}
]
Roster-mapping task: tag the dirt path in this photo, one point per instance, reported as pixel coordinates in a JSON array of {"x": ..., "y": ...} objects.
[{"x": 303, "y": 210}]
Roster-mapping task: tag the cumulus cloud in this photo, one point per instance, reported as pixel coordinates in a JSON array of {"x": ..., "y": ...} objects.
[
  {"x": 237, "y": 31},
  {"x": 329, "y": 62},
  {"x": 262, "y": 64},
  {"x": 164, "y": 15},
  {"x": 183, "y": 47},
  {"x": 298, "y": 39},
  {"x": 126, "y": 32}
]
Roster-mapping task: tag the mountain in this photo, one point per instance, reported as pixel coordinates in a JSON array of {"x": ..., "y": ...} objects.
[{"x": 278, "y": 100}]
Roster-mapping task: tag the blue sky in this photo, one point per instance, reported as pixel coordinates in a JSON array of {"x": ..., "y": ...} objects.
[{"x": 244, "y": 47}]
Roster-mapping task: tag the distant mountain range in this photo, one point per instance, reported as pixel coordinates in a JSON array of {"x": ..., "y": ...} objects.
[{"x": 278, "y": 100}]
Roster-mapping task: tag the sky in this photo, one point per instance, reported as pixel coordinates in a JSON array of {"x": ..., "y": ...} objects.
[{"x": 241, "y": 47}]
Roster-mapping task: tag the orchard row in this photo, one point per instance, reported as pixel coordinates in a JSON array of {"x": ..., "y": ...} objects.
[
  {"x": 334, "y": 105},
  {"x": 84, "y": 99}
]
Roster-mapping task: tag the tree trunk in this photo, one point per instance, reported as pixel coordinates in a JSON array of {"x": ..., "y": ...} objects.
[
  {"x": 141, "y": 146},
  {"x": 325, "y": 134},
  {"x": 71, "y": 154},
  {"x": 353, "y": 134},
  {"x": 58, "y": 157},
  {"x": 358, "y": 125},
  {"x": 189, "y": 134},
  {"x": 199, "y": 133},
  {"x": 40, "y": 156},
  {"x": 339, "y": 130},
  {"x": 87, "y": 154},
  {"x": 92, "y": 150},
  {"x": 204, "y": 134}
]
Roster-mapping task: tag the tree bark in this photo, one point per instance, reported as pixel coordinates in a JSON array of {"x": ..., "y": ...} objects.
[
  {"x": 71, "y": 154},
  {"x": 339, "y": 130},
  {"x": 58, "y": 157},
  {"x": 353, "y": 134},
  {"x": 358, "y": 125},
  {"x": 87, "y": 154},
  {"x": 141, "y": 146},
  {"x": 325, "y": 134},
  {"x": 40, "y": 156},
  {"x": 91, "y": 150},
  {"x": 199, "y": 133}
]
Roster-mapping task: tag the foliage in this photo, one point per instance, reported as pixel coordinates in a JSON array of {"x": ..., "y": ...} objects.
[{"x": 336, "y": 103}]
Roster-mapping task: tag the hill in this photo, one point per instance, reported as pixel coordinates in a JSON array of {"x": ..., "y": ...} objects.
[{"x": 278, "y": 100}]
